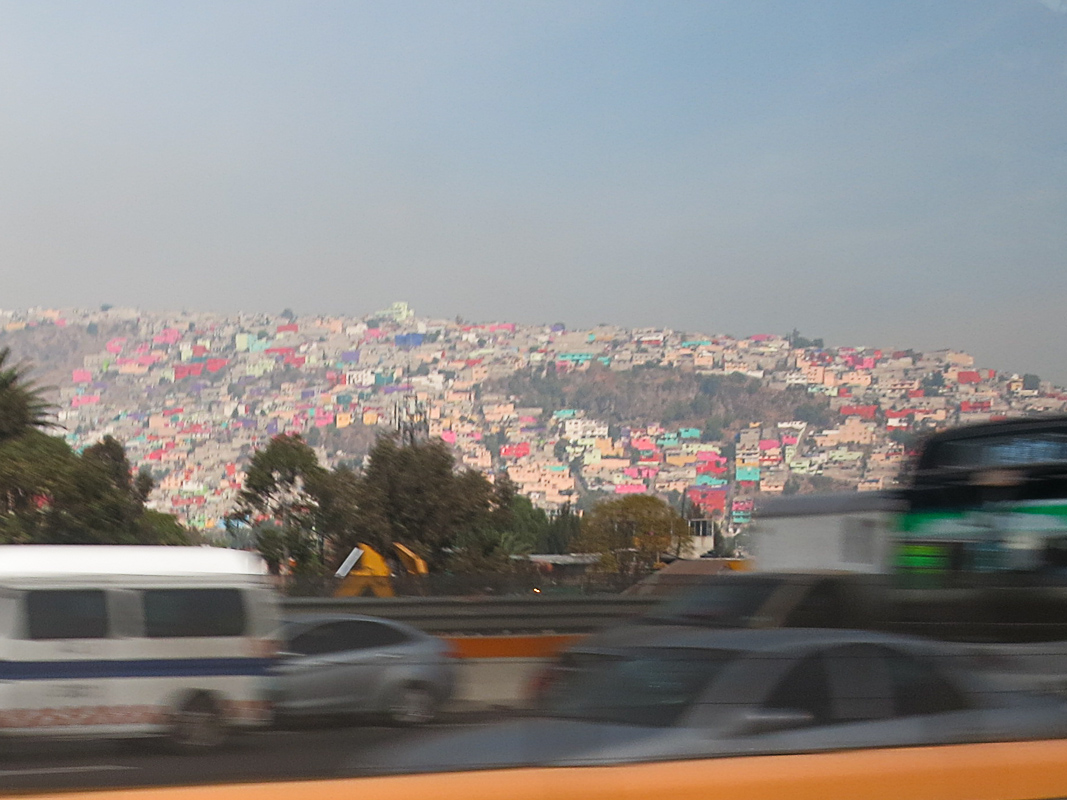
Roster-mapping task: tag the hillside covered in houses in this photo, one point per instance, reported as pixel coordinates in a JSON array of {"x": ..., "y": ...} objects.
[{"x": 708, "y": 421}]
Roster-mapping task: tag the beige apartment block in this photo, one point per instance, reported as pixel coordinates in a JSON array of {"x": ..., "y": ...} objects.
[
  {"x": 772, "y": 483},
  {"x": 827, "y": 438},
  {"x": 959, "y": 359},
  {"x": 498, "y": 412},
  {"x": 855, "y": 431},
  {"x": 478, "y": 458},
  {"x": 704, "y": 359},
  {"x": 871, "y": 484},
  {"x": 608, "y": 464},
  {"x": 856, "y": 378},
  {"x": 608, "y": 448},
  {"x": 673, "y": 485}
]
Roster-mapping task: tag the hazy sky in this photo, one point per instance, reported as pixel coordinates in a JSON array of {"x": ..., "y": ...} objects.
[{"x": 882, "y": 173}]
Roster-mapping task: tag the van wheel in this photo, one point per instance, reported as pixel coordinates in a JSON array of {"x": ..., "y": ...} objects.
[
  {"x": 197, "y": 726},
  {"x": 412, "y": 704}
]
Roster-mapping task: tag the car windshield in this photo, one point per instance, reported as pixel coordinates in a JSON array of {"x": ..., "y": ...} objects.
[
  {"x": 644, "y": 687},
  {"x": 726, "y": 603}
]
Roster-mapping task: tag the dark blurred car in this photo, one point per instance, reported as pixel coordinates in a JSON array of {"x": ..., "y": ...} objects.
[
  {"x": 994, "y": 610},
  {"x": 1015, "y": 634},
  {"x": 362, "y": 665},
  {"x": 776, "y": 600},
  {"x": 671, "y": 693}
]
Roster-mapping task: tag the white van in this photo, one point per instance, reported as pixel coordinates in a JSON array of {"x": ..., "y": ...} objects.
[{"x": 110, "y": 640}]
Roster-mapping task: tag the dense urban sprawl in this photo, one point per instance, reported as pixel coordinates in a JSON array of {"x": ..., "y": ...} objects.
[{"x": 193, "y": 395}]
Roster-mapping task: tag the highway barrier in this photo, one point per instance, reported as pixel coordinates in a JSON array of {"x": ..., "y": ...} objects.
[
  {"x": 530, "y": 646},
  {"x": 484, "y": 615}
]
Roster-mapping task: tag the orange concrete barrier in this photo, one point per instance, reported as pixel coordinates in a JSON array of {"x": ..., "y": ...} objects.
[
  {"x": 1007, "y": 771},
  {"x": 511, "y": 646}
]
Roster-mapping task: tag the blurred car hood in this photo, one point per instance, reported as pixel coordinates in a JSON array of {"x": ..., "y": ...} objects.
[{"x": 526, "y": 742}]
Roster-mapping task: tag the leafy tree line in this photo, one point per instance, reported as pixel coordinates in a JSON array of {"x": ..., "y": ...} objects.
[
  {"x": 297, "y": 512},
  {"x": 51, "y": 495},
  {"x": 294, "y": 510}
]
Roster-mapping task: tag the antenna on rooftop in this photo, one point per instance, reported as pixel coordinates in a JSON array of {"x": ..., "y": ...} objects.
[{"x": 410, "y": 420}]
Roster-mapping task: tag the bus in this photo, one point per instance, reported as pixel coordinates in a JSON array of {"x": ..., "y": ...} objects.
[
  {"x": 987, "y": 504},
  {"x": 972, "y": 547}
]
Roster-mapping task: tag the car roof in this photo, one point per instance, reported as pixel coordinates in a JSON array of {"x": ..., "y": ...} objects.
[{"x": 776, "y": 639}]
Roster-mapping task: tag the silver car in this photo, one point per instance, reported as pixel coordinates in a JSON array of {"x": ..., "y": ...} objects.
[
  {"x": 362, "y": 665},
  {"x": 641, "y": 694}
]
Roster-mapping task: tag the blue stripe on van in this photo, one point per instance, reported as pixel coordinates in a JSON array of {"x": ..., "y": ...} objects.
[{"x": 139, "y": 668}]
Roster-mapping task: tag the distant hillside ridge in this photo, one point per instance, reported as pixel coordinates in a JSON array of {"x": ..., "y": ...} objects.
[{"x": 715, "y": 403}]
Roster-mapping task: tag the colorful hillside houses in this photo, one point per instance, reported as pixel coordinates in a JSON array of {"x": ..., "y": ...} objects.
[{"x": 240, "y": 379}]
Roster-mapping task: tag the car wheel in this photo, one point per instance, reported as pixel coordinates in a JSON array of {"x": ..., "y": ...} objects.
[
  {"x": 412, "y": 704},
  {"x": 198, "y": 725}
]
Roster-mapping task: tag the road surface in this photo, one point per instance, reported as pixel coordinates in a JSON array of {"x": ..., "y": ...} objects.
[{"x": 310, "y": 749}]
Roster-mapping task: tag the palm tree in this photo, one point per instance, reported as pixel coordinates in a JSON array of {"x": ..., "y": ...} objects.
[{"x": 22, "y": 403}]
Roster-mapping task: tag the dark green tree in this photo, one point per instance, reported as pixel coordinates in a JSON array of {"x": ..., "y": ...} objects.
[
  {"x": 412, "y": 494},
  {"x": 33, "y": 469},
  {"x": 504, "y": 495},
  {"x": 561, "y": 533},
  {"x": 51, "y": 495},
  {"x": 713, "y": 430},
  {"x": 281, "y": 501},
  {"x": 529, "y": 526},
  {"x": 336, "y": 513},
  {"x": 22, "y": 403}
]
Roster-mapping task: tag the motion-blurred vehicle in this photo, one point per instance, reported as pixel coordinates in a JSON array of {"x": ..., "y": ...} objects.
[
  {"x": 987, "y": 501},
  {"x": 1017, "y": 633},
  {"x": 981, "y": 505},
  {"x": 116, "y": 641},
  {"x": 774, "y": 600},
  {"x": 362, "y": 665},
  {"x": 658, "y": 694}
]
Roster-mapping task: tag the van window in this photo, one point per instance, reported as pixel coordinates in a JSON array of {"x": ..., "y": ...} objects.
[
  {"x": 193, "y": 612},
  {"x": 66, "y": 614}
]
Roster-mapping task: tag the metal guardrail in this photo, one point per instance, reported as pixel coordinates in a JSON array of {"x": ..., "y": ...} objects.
[{"x": 494, "y": 615}]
